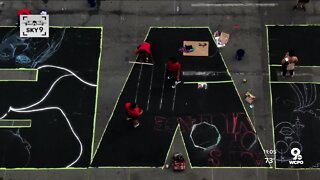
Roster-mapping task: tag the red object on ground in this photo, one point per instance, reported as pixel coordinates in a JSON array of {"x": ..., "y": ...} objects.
[
  {"x": 178, "y": 163},
  {"x": 132, "y": 112},
  {"x": 144, "y": 47},
  {"x": 178, "y": 166},
  {"x": 24, "y": 12}
]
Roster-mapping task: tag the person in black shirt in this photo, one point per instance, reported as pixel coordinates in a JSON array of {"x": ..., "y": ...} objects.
[
  {"x": 92, "y": 3},
  {"x": 300, "y": 4}
]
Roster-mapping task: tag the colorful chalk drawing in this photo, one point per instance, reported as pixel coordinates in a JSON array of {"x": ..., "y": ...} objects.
[
  {"x": 232, "y": 142},
  {"x": 55, "y": 115},
  {"x": 296, "y": 116}
]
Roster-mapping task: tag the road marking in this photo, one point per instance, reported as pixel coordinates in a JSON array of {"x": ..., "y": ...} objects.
[
  {"x": 138, "y": 84},
  {"x": 164, "y": 80},
  {"x": 135, "y": 62},
  {"x": 150, "y": 88},
  {"x": 234, "y": 5},
  {"x": 174, "y": 97},
  {"x": 15, "y": 123}
]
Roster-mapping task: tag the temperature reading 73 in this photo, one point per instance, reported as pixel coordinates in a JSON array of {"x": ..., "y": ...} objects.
[{"x": 269, "y": 160}]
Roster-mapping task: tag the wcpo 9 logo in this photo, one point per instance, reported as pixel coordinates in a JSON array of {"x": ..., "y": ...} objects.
[{"x": 297, "y": 158}]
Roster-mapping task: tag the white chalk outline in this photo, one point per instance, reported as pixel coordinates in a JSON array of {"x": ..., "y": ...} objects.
[
  {"x": 234, "y": 4},
  {"x": 209, "y": 147},
  {"x": 150, "y": 87},
  {"x": 25, "y": 109}
]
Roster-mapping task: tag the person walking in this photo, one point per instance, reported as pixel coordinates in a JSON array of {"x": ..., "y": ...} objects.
[
  {"x": 300, "y": 5},
  {"x": 133, "y": 113},
  {"x": 288, "y": 63},
  {"x": 174, "y": 71}
]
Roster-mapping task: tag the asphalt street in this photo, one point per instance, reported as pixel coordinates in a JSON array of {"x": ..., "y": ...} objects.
[{"x": 126, "y": 23}]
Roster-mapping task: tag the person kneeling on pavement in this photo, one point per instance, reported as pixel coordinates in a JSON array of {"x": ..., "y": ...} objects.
[{"x": 133, "y": 113}]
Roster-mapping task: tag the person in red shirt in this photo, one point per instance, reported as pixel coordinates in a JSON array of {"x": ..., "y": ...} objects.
[
  {"x": 24, "y": 11},
  {"x": 174, "y": 71},
  {"x": 133, "y": 113},
  {"x": 144, "y": 53}
]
